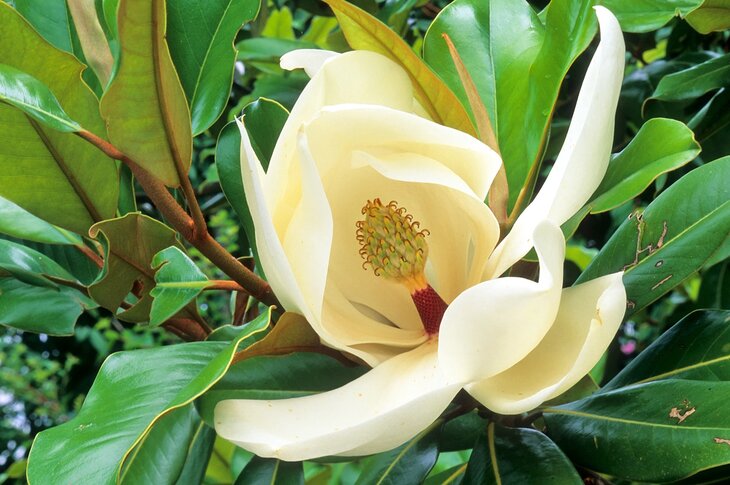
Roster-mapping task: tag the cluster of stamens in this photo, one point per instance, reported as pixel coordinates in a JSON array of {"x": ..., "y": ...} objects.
[{"x": 391, "y": 242}]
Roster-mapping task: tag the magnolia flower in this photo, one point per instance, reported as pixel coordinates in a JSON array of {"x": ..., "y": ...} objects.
[{"x": 371, "y": 223}]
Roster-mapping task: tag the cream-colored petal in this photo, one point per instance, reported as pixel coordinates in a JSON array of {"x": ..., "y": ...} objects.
[
  {"x": 379, "y": 411},
  {"x": 589, "y": 317},
  {"x": 311, "y": 60},
  {"x": 271, "y": 253},
  {"x": 361, "y": 308},
  {"x": 353, "y": 77},
  {"x": 495, "y": 324},
  {"x": 381, "y": 131},
  {"x": 582, "y": 161}
]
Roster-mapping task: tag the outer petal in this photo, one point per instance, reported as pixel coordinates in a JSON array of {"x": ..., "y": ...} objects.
[
  {"x": 354, "y": 77},
  {"x": 493, "y": 325},
  {"x": 589, "y": 317},
  {"x": 311, "y": 60},
  {"x": 582, "y": 162},
  {"x": 377, "y": 412},
  {"x": 297, "y": 280}
]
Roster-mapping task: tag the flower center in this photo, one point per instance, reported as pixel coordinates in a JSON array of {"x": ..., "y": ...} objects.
[{"x": 392, "y": 244}]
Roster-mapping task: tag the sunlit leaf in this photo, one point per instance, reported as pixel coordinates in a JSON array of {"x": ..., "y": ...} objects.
[
  {"x": 201, "y": 43},
  {"x": 144, "y": 106},
  {"x": 53, "y": 175},
  {"x": 684, "y": 229}
]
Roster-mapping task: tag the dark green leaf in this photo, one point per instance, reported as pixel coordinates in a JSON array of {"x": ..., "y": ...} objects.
[
  {"x": 56, "y": 315},
  {"x": 269, "y": 471},
  {"x": 177, "y": 282},
  {"x": 647, "y": 15},
  {"x": 268, "y": 49},
  {"x": 30, "y": 95},
  {"x": 711, "y": 125},
  {"x": 697, "y": 348},
  {"x": 655, "y": 432},
  {"x": 161, "y": 457},
  {"x": 518, "y": 455},
  {"x": 198, "y": 456},
  {"x": 681, "y": 231},
  {"x": 278, "y": 377},
  {"x": 517, "y": 63},
  {"x": 53, "y": 175},
  {"x": 29, "y": 265},
  {"x": 50, "y": 19},
  {"x": 695, "y": 81},
  {"x": 461, "y": 433},
  {"x": 633, "y": 169},
  {"x": 201, "y": 44},
  {"x": 132, "y": 391},
  {"x": 452, "y": 476},
  {"x": 264, "y": 120},
  {"x": 21, "y": 224},
  {"x": 408, "y": 464}
]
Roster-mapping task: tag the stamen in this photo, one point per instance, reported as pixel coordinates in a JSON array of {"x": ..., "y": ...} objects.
[{"x": 392, "y": 244}]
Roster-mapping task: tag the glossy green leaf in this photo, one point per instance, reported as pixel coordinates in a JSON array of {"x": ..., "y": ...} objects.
[
  {"x": 131, "y": 393},
  {"x": 199, "y": 453},
  {"x": 264, "y": 120},
  {"x": 269, "y": 471},
  {"x": 70, "y": 258},
  {"x": 363, "y": 31},
  {"x": 452, "y": 476},
  {"x": 518, "y": 455},
  {"x": 696, "y": 348},
  {"x": 161, "y": 456},
  {"x": 408, "y": 464},
  {"x": 28, "y": 94},
  {"x": 695, "y": 81},
  {"x": 713, "y": 15},
  {"x": 460, "y": 433},
  {"x": 632, "y": 170},
  {"x": 177, "y": 282},
  {"x": 655, "y": 432},
  {"x": 56, "y": 316},
  {"x": 30, "y": 266},
  {"x": 131, "y": 243},
  {"x": 277, "y": 377},
  {"x": 648, "y": 15},
  {"x": 269, "y": 49},
  {"x": 711, "y": 125},
  {"x": 201, "y": 43},
  {"x": 50, "y": 19},
  {"x": 53, "y": 175},
  {"x": 681, "y": 231},
  {"x": 144, "y": 106},
  {"x": 21, "y": 224},
  {"x": 517, "y": 63}
]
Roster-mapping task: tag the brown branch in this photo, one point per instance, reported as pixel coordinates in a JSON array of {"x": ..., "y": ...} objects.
[
  {"x": 184, "y": 224},
  {"x": 190, "y": 328},
  {"x": 224, "y": 285}
]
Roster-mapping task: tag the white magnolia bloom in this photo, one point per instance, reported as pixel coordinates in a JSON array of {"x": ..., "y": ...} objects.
[{"x": 336, "y": 251}]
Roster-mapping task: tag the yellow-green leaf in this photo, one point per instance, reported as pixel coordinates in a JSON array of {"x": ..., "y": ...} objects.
[
  {"x": 55, "y": 176},
  {"x": 145, "y": 107},
  {"x": 363, "y": 31}
]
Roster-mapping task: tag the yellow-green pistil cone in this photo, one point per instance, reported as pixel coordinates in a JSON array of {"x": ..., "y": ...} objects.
[{"x": 392, "y": 244}]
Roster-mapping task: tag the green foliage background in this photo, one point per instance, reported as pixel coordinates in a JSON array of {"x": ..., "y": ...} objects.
[{"x": 673, "y": 71}]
